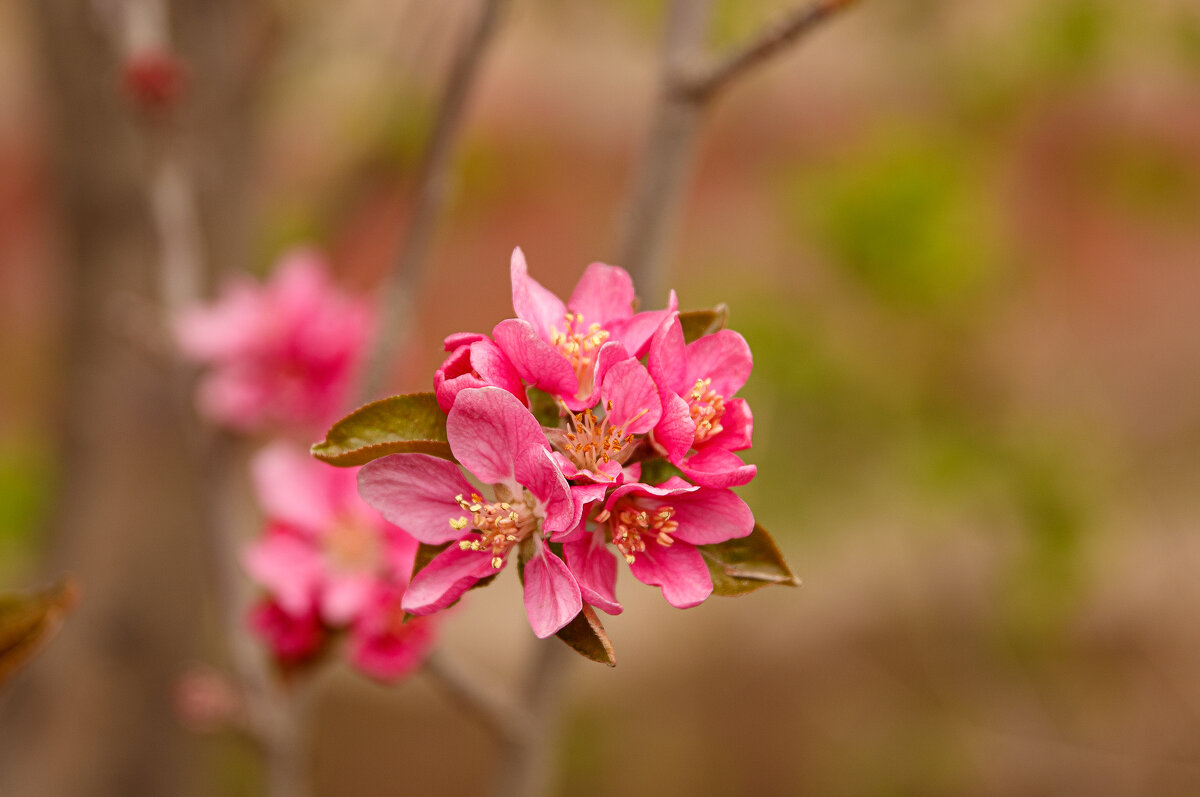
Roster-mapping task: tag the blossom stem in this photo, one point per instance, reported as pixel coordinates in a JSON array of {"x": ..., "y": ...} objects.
[{"x": 527, "y": 759}]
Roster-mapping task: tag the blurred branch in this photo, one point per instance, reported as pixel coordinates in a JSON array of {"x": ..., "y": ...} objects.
[
  {"x": 768, "y": 43},
  {"x": 476, "y": 696},
  {"x": 273, "y": 717},
  {"x": 686, "y": 89},
  {"x": 433, "y": 182}
]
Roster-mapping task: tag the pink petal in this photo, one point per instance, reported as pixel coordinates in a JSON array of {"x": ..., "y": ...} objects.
[
  {"x": 636, "y": 407},
  {"x": 489, "y": 430},
  {"x": 344, "y": 596},
  {"x": 228, "y": 327},
  {"x": 444, "y": 580},
  {"x": 716, "y": 467},
  {"x": 737, "y": 427},
  {"x": 637, "y": 332},
  {"x": 667, "y": 359},
  {"x": 678, "y": 569},
  {"x": 416, "y": 492},
  {"x": 287, "y": 567},
  {"x": 531, "y": 301},
  {"x": 479, "y": 364},
  {"x": 459, "y": 339},
  {"x": 536, "y": 361},
  {"x": 294, "y": 488},
  {"x": 388, "y": 655},
  {"x": 552, "y": 596},
  {"x": 676, "y": 429},
  {"x": 582, "y": 495},
  {"x": 724, "y": 357},
  {"x": 595, "y": 568},
  {"x": 604, "y": 293},
  {"x": 708, "y": 516}
]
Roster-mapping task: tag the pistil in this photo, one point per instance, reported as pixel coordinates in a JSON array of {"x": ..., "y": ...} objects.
[
  {"x": 501, "y": 524},
  {"x": 631, "y": 526},
  {"x": 579, "y": 345},
  {"x": 706, "y": 407}
]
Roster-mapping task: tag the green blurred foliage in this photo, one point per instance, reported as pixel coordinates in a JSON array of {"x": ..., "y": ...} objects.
[{"x": 26, "y": 485}]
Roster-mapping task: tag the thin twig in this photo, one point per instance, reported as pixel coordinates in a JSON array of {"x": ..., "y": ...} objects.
[
  {"x": 508, "y": 723},
  {"x": 771, "y": 41},
  {"x": 408, "y": 271},
  {"x": 656, "y": 199}
]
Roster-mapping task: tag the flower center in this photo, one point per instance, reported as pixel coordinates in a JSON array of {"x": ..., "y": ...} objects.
[
  {"x": 631, "y": 524},
  {"x": 353, "y": 546},
  {"x": 595, "y": 441},
  {"x": 501, "y": 524},
  {"x": 579, "y": 345},
  {"x": 706, "y": 407}
]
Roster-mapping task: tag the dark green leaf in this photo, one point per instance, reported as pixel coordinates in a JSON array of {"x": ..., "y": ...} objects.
[
  {"x": 741, "y": 566},
  {"x": 400, "y": 424},
  {"x": 27, "y": 621},
  {"x": 587, "y": 636},
  {"x": 698, "y": 323}
]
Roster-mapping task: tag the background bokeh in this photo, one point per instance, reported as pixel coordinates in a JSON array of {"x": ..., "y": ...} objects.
[{"x": 963, "y": 241}]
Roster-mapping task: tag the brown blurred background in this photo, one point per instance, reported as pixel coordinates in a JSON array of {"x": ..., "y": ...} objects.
[{"x": 963, "y": 241}]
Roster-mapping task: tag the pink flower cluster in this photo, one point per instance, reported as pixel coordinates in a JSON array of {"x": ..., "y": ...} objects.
[
  {"x": 571, "y": 495},
  {"x": 282, "y": 358}
]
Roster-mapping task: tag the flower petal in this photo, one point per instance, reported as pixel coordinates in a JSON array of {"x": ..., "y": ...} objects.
[
  {"x": 637, "y": 332},
  {"x": 489, "y": 431},
  {"x": 678, "y": 569},
  {"x": 708, "y": 516},
  {"x": 294, "y": 488},
  {"x": 445, "y": 579},
  {"x": 531, "y": 301},
  {"x": 676, "y": 429},
  {"x": 595, "y": 569},
  {"x": 288, "y": 567},
  {"x": 604, "y": 293},
  {"x": 667, "y": 359},
  {"x": 552, "y": 596},
  {"x": 716, "y": 467},
  {"x": 636, "y": 407},
  {"x": 535, "y": 360},
  {"x": 724, "y": 357},
  {"x": 737, "y": 427},
  {"x": 416, "y": 493}
]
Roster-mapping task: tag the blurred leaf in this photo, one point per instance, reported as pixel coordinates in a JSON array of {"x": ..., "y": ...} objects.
[
  {"x": 698, "y": 323},
  {"x": 744, "y": 565},
  {"x": 587, "y": 636},
  {"x": 905, "y": 219},
  {"x": 544, "y": 407},
  {"x": 400, "y": 424},
  {"x": 27, "y": 621}
]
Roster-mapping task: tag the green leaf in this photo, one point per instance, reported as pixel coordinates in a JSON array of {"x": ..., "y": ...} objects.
[
  {"x": 400, "y": 424},
  {"x": 744, "y": 565},
  {"x": 544, "y": 407},
  {"x": 698, "y": 323},
  {"x": 425, "y": 554},
  {"x": 587, "y": 636},
  {"x": 27, "y": 621}
]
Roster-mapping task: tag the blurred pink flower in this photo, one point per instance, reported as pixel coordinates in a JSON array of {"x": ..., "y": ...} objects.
[
  {"x": 554, "y": 346},
  {"x": 323, "y": 546},
  {"x": 499, "y": 442},
  {"x": 383, "y": 642},
  {"x": 294, "y": 638},
  {"x": 280, "y": 354}
]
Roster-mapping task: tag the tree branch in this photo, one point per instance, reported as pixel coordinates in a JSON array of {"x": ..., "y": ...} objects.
[
  {"x": 433, "y": 181},
  {"x": 771, "y": 41}
]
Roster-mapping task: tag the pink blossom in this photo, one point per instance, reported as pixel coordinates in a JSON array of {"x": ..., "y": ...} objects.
[
  {"x": 597, "y": 446},
  {"x": 293, "y": 637},
  {"x": 475, "y": 361},
  {"x": 323, "y": 546},
  {"x": 382, "y": 643},
  {"x": 280, "y": 354},
  {"x": 702, "y": 423},
  {"x": 656, "y": 530},
  {"x": 554, "y": 346},
  {"x": 498, "y": 441}
]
